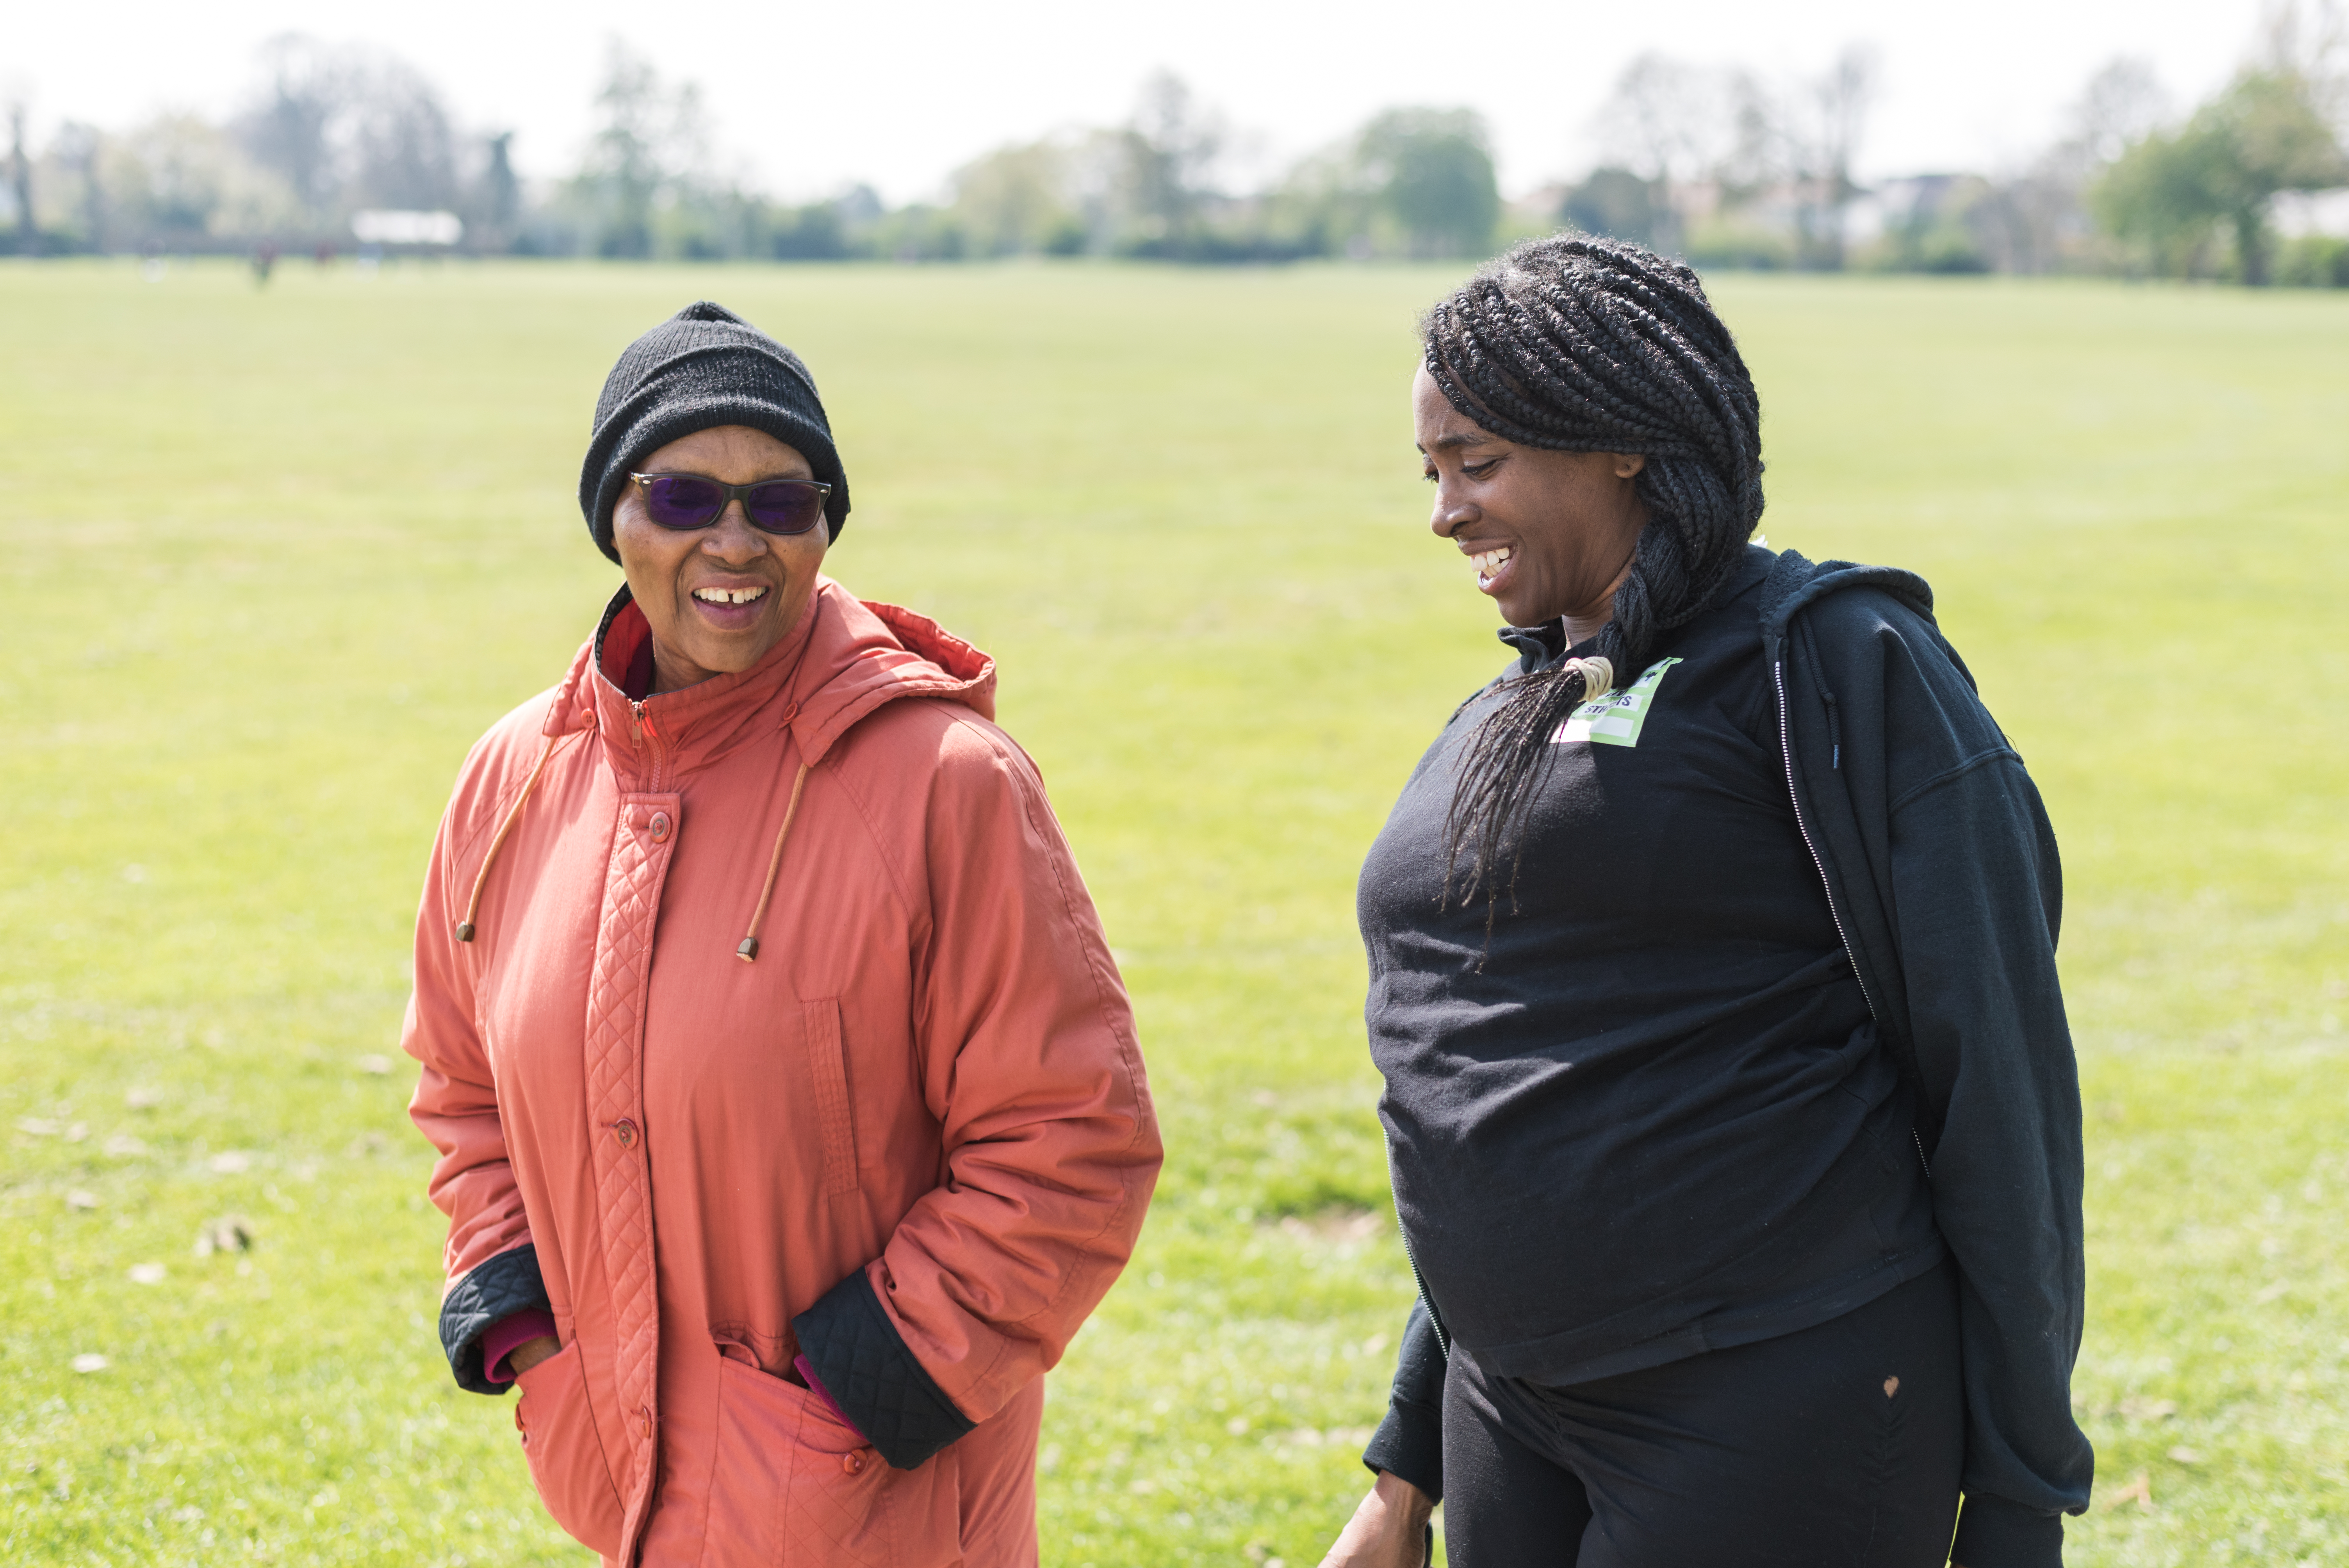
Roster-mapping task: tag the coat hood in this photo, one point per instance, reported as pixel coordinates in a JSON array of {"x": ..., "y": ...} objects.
[{"x": 845, "y": 659}]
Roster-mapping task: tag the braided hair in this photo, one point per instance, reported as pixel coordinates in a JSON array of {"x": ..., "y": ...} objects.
[{"x": 1585, "y": 345}]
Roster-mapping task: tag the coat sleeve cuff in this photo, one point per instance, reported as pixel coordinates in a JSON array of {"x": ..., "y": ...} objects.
[
  {"x": 1995, "y": 1534},
  {"x": 1409, "y": 1444},
  {"x": 507, "y": 1283},
  {"x": 865, "y": 1367},
  {"x": 508, "y": 1333}
]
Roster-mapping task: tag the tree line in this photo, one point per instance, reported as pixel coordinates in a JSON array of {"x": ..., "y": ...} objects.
[{"x": 1724, "y": 167}]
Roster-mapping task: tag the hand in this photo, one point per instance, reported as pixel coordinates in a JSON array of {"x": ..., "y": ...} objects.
[
  {"x": 1389, "y": 1529},
  {"x": 529, "y": 1353}
]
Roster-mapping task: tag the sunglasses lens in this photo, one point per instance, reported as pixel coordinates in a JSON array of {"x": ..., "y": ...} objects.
[
  {"x": 788, "y": 506},
  {"x": 681, "y": 501}
]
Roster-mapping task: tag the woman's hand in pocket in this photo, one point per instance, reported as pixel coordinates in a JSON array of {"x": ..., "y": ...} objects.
[
  {"x": 529, "y": 1353},
  {"x": 1389, "y": 1529}
]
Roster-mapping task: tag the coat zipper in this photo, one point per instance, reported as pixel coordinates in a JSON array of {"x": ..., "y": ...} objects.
[
  {"x": 640, "y": 725},
  {"x": 1786, "y": 750}
]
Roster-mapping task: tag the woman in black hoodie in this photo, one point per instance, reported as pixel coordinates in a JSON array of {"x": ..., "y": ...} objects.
[{"x": 1730, "y": 1108}]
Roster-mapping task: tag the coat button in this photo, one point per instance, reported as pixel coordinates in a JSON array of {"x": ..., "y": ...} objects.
[
  {"x": 626, "y": 1132},
  {"x": 853, "y": 1463},
  {"x": 661, "y": 826},
  {"x": 646, "y": 1412}
]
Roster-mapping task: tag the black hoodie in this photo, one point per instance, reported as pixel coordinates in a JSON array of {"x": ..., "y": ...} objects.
[{"x": 1941, "y": 875}]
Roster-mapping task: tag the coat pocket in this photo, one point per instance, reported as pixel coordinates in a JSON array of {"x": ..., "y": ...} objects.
[
  {"x": 567, "y": 1452},
  {"x": 828, "y": 1066},
  {"x": 794, "y": 1486}
]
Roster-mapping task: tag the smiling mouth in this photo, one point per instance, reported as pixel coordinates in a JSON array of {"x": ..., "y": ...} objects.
[
  {"x": 1488, "y": 563},
  {"x": 729, "y": 595}
]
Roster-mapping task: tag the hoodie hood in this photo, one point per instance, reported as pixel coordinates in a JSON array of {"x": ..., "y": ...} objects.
[{"x": 1796, "y": 583}]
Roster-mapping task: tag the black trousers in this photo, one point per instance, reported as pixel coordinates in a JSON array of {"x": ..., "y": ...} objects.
[{"x": 1835, "y": 1447}]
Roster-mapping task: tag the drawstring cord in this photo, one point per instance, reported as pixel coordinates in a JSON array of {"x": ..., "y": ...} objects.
[
  {"x": 749, "y": 952},
  {"x": 481, "y": 880}
]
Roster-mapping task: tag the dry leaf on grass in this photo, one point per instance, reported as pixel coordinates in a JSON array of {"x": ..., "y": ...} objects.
[{"x": 229, "y": 1234}]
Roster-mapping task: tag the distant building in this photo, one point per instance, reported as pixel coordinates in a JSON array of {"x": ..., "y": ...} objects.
[{"x": 402, "y": 228}]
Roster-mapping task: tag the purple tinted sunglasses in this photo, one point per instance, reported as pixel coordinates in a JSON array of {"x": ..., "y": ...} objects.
[{"x": 688, "y": 501}]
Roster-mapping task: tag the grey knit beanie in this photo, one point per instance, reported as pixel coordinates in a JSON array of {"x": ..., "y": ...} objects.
[{"x": 703, "y": 367}]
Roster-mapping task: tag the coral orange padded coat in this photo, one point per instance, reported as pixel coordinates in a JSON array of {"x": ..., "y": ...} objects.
[{"x": 907, "y": 1145}]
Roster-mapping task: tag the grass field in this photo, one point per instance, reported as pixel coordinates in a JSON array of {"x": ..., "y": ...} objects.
[{"x": 273, "y": 559}]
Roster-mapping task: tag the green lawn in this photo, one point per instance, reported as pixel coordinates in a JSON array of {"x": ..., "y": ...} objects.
[{"x": 274, "y": 559}]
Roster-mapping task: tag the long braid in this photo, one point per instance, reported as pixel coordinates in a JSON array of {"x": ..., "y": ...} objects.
[{"x": 1583, "y": 345}]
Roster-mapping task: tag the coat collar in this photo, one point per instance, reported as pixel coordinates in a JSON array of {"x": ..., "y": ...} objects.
[{"x": 845, "y": 660}]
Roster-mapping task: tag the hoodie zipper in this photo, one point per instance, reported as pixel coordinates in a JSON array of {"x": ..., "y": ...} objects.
[
  {"x": 1786, "y": 750},
  {"x": 1434, "y": 1318}
]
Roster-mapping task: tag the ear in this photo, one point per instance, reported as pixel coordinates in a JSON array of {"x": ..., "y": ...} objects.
[{"x": 1629, "y": 464}]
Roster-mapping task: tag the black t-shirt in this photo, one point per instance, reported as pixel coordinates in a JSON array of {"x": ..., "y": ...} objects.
[{"x": 1643, "y": 1113}]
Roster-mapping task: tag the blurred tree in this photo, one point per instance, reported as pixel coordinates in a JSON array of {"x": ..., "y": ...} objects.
[
  {"x": 20, "y": 181},
  {"x": 1616, "y": 202},
  {"x": 1159, "y": 165},
  {"x": 403, "y": 147},
  {"x": 1934, "y": 223},
  {"x": 624, "y": 164},
  {"x": 494, "y": 218},
  {"x": 2220, "y": 171},
  {"x": 1658, "y": 118},
  {"x": 1755, "y": 154},
  {"x": 180, "y": 169},
  {"x": 1661, "y": 123},
  {"x": 2122, "y": 104},
  {"x": 918, "y": 233},
  {"x": 290, "y": 129},
  {"x": 1827, "y": 145},
  {"x": 77, "y": 154},
  {"x": 1321, "y": 207},
  {"x": 650, "y": 136},
  {"x": 815, "y": 232},
  {"x": 1432, "y": 170},
  {"x": 1015, "y": 201}
]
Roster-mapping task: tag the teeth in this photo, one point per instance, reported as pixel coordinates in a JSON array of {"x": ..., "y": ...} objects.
[
  {"x": 1490, "y": 561},
  {"x": 729, "y": 595}
]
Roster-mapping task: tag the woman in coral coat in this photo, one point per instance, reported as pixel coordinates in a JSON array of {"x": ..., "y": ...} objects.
[{"x": 790, "y": 1113}]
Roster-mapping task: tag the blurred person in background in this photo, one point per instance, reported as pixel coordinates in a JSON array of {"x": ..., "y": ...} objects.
[
  {"x": 1732, "y": 1110},
  {"x": 790, "y": 1112}
]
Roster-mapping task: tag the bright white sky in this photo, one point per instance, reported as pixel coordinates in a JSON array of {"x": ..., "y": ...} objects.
[{"x": 808, "y": 97}]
